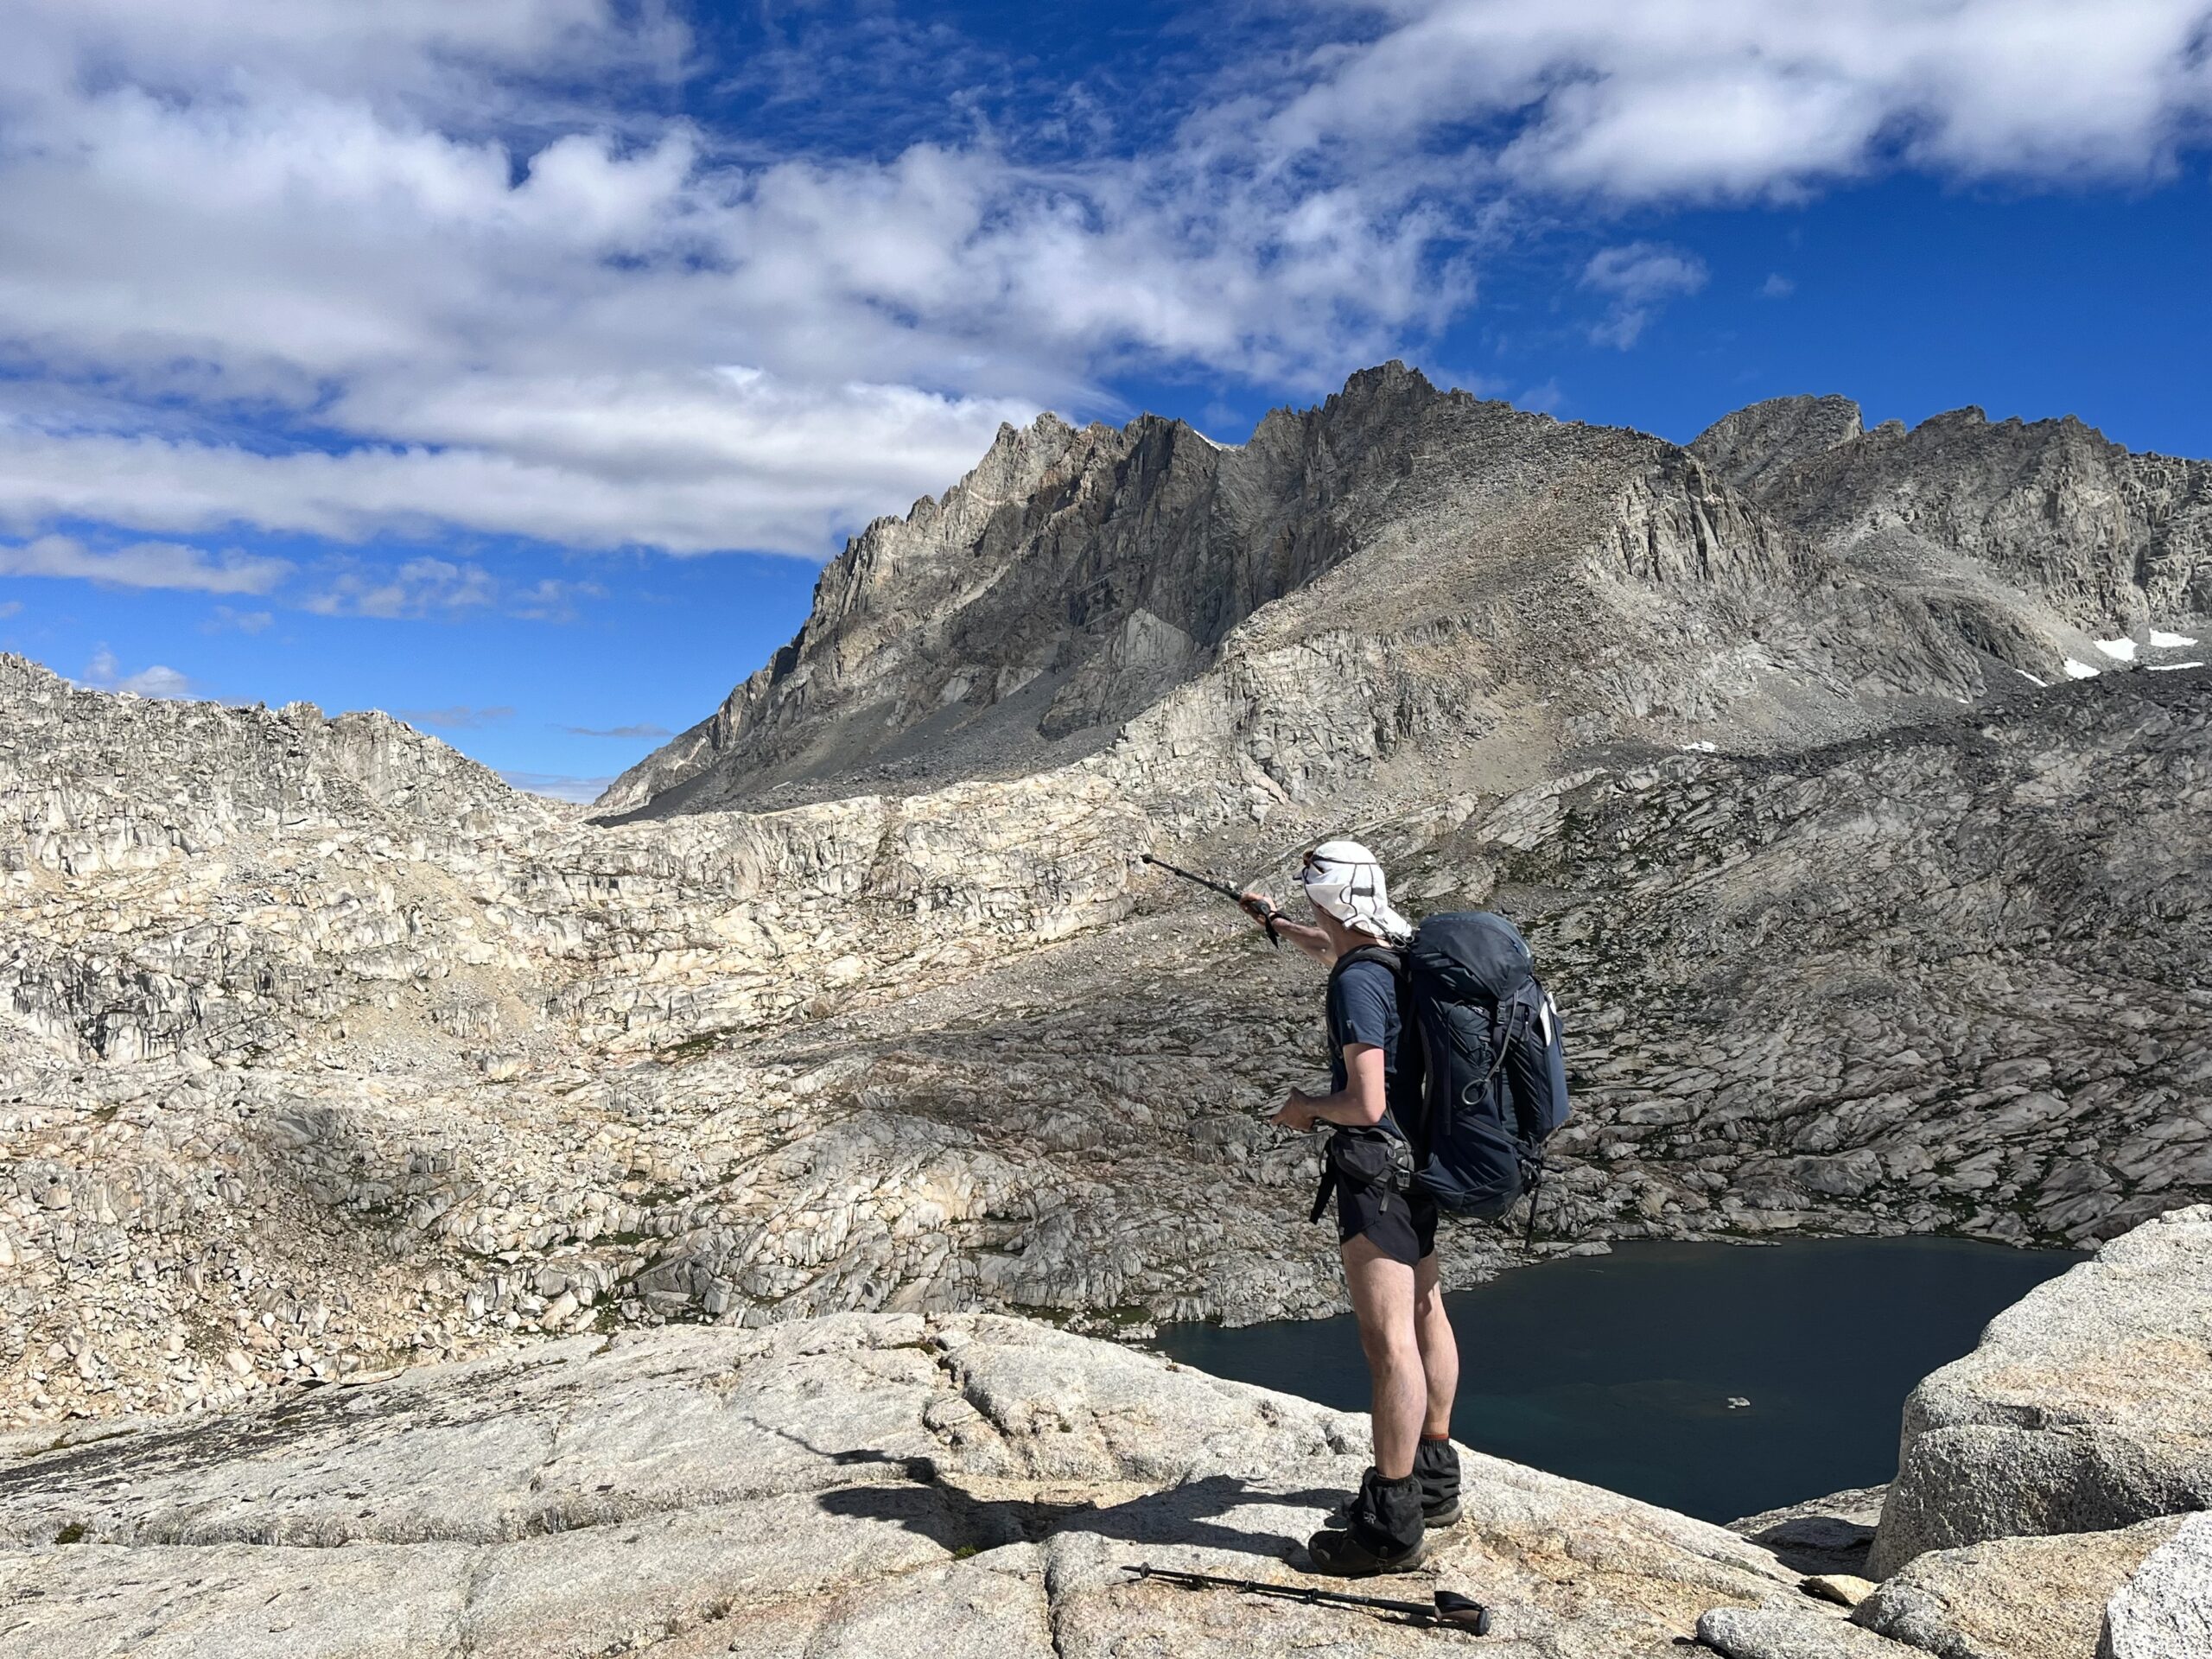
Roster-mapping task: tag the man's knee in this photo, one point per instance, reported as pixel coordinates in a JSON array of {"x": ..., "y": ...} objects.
[{"x": 1390, "y": 1341}]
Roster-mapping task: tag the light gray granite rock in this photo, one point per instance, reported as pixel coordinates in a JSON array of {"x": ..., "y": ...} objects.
[
  {"x": 2011, "y": 1597},
  {"x": 1793, "y": 1631},
  {"x": 865, "y": 1484},
  {"x": 1822, "y": 1536},
  {"x": 2087, "y": 1406},
  {"x": 2165, "y": 1611}
]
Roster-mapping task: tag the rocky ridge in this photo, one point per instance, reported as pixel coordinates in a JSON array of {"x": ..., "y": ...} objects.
[{"x": 1457, "y": 572}]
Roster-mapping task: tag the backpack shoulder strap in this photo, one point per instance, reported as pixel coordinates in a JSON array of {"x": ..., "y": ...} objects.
[{"x": 1394, "y": 960}]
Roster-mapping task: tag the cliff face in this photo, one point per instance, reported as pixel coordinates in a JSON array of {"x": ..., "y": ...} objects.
[
  {"x": 1788, "y": 578},
  {"x": 1064, "y": 585}
]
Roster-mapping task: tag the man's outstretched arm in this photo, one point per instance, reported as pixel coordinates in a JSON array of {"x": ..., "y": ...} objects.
[{"x": 1306, "y": 936}]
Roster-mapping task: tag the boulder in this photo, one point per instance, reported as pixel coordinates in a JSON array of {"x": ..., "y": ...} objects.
[
  {"x": 1791, "y": 1630},
  {"x": 1822, "y": 1537},
  {"x": 2165, "y": 1611},
  {"x": 853, "y": 1485},
  {"x": 2087, "y": 1406},
  {"x": 2011, "y": 1597}
]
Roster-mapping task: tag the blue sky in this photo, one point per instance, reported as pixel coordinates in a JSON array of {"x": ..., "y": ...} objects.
[{"x": 513, "y": 367}]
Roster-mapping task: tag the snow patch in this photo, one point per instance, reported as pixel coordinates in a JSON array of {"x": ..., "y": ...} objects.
[
  {"x": 2079, "y": 670},
  {"x": 1700, "y": 747},
  {"x": 2120, "y": 651},
  {"x": 2170, "y": 641},
  {"x": 2168, "y": 668},
  {"x": 2030, "y": 678}
]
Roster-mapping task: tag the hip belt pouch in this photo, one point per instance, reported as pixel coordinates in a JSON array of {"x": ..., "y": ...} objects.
[
  {"x": 1371, "y": 1159},
  {"x": 1366, "y": 1158}
]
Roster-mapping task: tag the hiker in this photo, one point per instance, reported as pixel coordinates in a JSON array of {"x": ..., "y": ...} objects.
[{"x": 1386, "y": 1231}]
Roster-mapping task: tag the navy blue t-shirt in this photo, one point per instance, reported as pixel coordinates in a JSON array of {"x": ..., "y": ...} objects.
[{"x": 1364, "y": 1008}]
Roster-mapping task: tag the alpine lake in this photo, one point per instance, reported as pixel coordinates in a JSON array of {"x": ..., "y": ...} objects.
[{"x": 1720, "y": 1379}]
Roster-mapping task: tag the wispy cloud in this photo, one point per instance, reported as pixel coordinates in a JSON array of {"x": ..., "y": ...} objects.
[
  {"x": 552, "y": 599},
  {"x": 10, "y": 607},
  {"x": 1636, "y": 279},
  {"x": 460, "y": 718},
  {"x": 560, "y": 787},
  {"x": 1776, "y": 286},
  {"x": 225, "y": 619},
  {"x": 417, "y": 588},
  {"x": 618, "y": 731},
  {"x": 143, "y": 564},
  {"x": 104, "y": 673}
]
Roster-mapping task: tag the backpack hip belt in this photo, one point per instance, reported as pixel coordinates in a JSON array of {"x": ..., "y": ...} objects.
[{"x": 1370, "y": 1157}]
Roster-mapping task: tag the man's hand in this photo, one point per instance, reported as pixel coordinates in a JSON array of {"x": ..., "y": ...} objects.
[
  {"x": 1258, "y": 905},
  {"x": 1296, "y": 1111}
]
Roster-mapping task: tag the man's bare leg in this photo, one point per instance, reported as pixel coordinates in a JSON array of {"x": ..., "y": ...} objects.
[
  {"x": 1383, "y": 1301},
  {"x": 1440, "y": 1349}
]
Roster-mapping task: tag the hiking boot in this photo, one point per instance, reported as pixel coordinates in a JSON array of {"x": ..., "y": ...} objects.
[
  {"x": 1436, "y": 1467},
  {"x": 1384, "y": 1534}
]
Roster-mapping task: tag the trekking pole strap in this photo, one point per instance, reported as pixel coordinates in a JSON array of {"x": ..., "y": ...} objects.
[
  {"x": 1326, "y": 1191},
  {"x": 1535, "y": 1192}
]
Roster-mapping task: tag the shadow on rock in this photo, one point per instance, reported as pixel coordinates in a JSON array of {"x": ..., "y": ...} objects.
[{"x": 965, "y": 1521}]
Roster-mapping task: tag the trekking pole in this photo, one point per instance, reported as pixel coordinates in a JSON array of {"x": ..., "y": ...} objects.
[
  {"x": 1535, "y": 1192},
  {"x": 1451, "y": 1610},
  {"x": 1221, "y": 887}
]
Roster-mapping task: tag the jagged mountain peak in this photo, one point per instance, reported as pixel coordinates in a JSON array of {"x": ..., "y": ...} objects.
[{"x": 1788, "y": 573}]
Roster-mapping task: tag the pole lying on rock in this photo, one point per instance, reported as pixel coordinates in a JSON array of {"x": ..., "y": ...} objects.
[
  {"x": 1450, "y": 1611},
  {"x": 1221, "y": 887}
]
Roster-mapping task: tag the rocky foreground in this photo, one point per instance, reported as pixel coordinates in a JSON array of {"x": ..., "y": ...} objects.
[{"x": 887, "y": 1485}]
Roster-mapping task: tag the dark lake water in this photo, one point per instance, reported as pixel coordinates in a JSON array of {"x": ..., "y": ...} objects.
[{"x": 1619, "y": 1368}]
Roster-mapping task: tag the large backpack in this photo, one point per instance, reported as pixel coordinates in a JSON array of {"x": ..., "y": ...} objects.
[{"x": 1493, "y": 1072}]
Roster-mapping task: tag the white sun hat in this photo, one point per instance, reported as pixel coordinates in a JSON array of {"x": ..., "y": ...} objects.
[{"x": 1343, "y": 879}]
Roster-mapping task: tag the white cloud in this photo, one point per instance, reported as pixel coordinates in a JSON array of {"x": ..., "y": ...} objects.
[
  {"x": 1636, "y": 279},
  {"x": 104, "y": 673},
  {"x": 145, "y": 564},
  {"x": 1776, "y": 286},
  {"x": 1547, "y": 398},
  {"x": 641, "y": 730},
  {"x": 608, "y": 334},
  {"x": 559, "y": 785},
  {"x": 730, "y": 462},
  {"x": 456, "y": 244},
  {"x": 10, "y": 607},
  {"x": 244, "y": 621},
  {"x": 458, "y": 718},
  {"x": 1666, "y": 98},
  {"x": 418, "y": 587}
]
